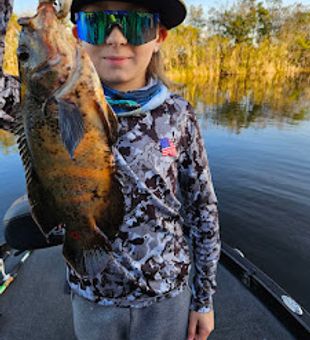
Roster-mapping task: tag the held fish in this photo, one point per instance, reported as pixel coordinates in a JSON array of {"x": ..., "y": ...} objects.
[{"x": 66, "y": 132}]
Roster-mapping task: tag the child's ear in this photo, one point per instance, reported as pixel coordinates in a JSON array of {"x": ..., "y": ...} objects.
[
  {"x": 163, "y": 33},
  {"x": 74, "y": 31}
]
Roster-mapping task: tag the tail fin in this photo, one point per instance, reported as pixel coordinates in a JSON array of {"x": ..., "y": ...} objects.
[{"x": 87, "y": 252}]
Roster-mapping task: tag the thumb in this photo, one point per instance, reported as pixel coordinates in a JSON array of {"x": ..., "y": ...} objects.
[{"x": 192, "y": 327}]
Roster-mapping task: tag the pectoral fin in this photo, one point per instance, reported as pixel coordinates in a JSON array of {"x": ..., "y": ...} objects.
[{"x": 71, "y": 125}]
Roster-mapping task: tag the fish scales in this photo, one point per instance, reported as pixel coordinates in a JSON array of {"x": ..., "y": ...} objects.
[{"x": 66, "y": 131}]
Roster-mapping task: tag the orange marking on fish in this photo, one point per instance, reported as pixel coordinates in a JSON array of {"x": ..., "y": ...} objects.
[
  {"x": 78, "y": 198},
  {"x": 96, "y": 174}
]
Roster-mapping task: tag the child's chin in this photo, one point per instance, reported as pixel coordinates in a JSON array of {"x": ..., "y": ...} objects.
[{"x": 114, "y": 76}]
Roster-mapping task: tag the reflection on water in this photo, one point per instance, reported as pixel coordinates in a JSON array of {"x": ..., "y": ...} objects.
[
  {"x": 12, "y": 182},
  {"x": 239, "y": 103},
  {"x": 257, "y": 135},
  {"x": 7, "y": 143}
]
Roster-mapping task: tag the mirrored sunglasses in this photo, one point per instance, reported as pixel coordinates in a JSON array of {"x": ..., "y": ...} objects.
[{"x": 138, "y": 27}]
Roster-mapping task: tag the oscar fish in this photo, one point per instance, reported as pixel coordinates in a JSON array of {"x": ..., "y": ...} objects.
[{"x": 66, "y": 131}]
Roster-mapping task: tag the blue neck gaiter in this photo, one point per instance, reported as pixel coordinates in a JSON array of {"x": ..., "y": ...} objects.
[{"x": 133, "y": 103}]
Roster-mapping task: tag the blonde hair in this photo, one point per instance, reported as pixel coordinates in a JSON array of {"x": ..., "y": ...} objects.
[{"x": 156, "y": 69}]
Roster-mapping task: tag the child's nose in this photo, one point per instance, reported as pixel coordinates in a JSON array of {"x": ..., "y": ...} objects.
[{"x": 116, "y": 37}]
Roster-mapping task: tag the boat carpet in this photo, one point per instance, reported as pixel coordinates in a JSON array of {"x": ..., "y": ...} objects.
[{"x": 35, "y": 306}]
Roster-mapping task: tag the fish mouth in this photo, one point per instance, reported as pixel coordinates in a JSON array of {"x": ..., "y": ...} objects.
[{"x": 44, "y": 67}]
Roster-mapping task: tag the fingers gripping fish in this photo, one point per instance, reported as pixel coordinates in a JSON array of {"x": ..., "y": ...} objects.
[{"x": 66, "y": 131}]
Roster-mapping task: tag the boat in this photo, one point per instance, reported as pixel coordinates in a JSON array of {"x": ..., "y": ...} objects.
[{"x": 36, "y": 303}]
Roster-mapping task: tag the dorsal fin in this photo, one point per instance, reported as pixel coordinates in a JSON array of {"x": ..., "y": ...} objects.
[
  {"x": 41, "y": 202},
  {"x": 22, "y": 145}
]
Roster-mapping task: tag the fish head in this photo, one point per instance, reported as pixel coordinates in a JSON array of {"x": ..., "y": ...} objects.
[{"x": 47, "y": 49}]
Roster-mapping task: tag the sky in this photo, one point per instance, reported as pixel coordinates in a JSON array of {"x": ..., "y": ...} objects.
[{"x": 29, "y": 6}]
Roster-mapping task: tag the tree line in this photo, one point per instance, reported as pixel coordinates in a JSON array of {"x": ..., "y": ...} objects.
[{"x": 250, "y": 38}]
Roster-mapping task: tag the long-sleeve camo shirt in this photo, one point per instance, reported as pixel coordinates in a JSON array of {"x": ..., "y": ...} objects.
[{"x": 170, "y": 207}]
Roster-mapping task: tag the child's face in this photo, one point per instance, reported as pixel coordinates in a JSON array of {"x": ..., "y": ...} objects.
[{"x": 120, "y": 65}]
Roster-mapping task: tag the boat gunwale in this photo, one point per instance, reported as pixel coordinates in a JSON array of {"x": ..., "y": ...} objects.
[{"x": 266, "y": 290}]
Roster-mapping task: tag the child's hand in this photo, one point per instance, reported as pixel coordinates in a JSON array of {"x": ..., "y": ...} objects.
[{"x": 200, "y": 325}]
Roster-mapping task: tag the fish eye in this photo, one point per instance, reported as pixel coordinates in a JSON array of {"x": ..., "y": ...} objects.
[{"x": 23, "y": 54}]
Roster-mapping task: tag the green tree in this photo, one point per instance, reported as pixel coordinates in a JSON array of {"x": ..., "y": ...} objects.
[
  {"x": 247, "y": 21},
  {"x": 264, "y": 22}
]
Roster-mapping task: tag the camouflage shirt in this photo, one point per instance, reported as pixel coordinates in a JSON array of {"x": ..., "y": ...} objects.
[
  {"x": 170, "y": 205},
  {"x": 169, "y": 200}
]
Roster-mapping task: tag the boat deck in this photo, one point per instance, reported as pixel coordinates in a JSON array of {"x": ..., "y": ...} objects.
[{"x": 35, "y": 306}]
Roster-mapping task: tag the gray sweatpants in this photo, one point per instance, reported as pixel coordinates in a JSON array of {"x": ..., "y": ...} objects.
[{"x": 167, "y": 319}]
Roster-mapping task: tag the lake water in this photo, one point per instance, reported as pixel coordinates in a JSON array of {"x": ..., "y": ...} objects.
[{"x": 257, "y": 135}]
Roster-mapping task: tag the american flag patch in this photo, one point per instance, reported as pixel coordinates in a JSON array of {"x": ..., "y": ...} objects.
[{"x": 167, "y": 147}]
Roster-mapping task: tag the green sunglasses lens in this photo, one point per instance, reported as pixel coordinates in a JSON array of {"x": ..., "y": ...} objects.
[
  {"x": 91, "y": 27},
  {"x": 141, "y": 28},
  {"x": 138, "y": 27}
]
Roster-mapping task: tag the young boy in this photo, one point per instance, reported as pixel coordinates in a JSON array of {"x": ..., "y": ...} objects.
[{"x": 143, "y": 293}]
